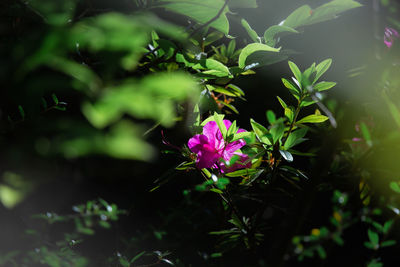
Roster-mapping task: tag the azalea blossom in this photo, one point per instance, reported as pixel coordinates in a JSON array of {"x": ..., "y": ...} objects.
[
  {"x": 214, "y": 152},
  {"x": 389, "y": 36}
]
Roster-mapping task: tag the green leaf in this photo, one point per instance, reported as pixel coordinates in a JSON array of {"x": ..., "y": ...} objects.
[
  {"x": 243, "y": 135},
  {"x": 295, "y": 137},
  {"x": 387, "y": 226},
  {"x": 366, "y": 134},
  {"x": 313, "y": 119},
  {"x": 373, "y": 237},
  {"x": 374, "y": 263},
  {"x": 304, "y": 15},
  {"x": 330, "y": 10},
  {"x": 236, "y": 89},
  {"x": 261, "y": 132},
  {"x": 321, "y": 68},
  {"x": 277, "y": 130},
  {"x": 388, "y": 243},
  {"x": 252, "y": 33},
  {"x": 283, "y": 104},
  {"x": 252, "y": 48},
  {"x": 137, "y": 257},
  {"x": 289, "y": 113},
  {"x": 21, "y": 112},
  {"x": 323, "y": 86},
  {"x": 293, "y": 88},
  {"x": 242, "y": 3},
  {"x": 298, "y": 17},
  {"x": 271, "y": 116},
  {"x": 271, "y": 32},
  {"x": 55, "y": 99},
  {"x": 242, "y": 172},
  {"x": 231, "y": 48},
  {"x": 124, "y": 262},
  {"x": 232, "y": 130},
  {"x": 212, "y": 37},
  {"x": 215, "y": 190},
  {"x": 296, "y": 71},
  {"x": 220, "y": 124},
  {"x": 201, "y": 11},
  {"x": 395, "y": 187},
  {"x": 212, "y": 64},
  {"x": 321, "y": 252}
]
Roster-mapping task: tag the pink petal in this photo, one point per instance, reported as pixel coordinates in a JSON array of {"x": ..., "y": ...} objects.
[
  {"x": 227, "y": 123},
  {"x": 210, "y": 130},
  {"x": 232, "y": 147},
  {"x": 206, "y": 159},
  {"x": 197, "y": 142}
]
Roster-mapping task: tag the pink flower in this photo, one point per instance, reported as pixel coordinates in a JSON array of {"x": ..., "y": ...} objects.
[
  {"x": 214, "y": 152},
  {"x": 389, "y": 36}
]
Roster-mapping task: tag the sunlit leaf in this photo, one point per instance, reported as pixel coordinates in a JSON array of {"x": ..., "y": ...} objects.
[{"x": 252, "y": 48}]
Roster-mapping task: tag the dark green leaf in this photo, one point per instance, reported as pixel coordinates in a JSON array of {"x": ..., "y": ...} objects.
[
  {"x": 388, "y": 243},
  {"x": 373, "y": 237},
  {"x": 137, "y": 256}
]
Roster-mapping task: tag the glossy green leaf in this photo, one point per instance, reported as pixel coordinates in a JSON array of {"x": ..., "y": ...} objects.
[
  {"x": 283, "y": 104},
  {"x": 289, "y": 114},
  {"x": 321, "y": 68},
  {"x": 296, "y": 71},
  {"x": 313, "y": 119}
]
